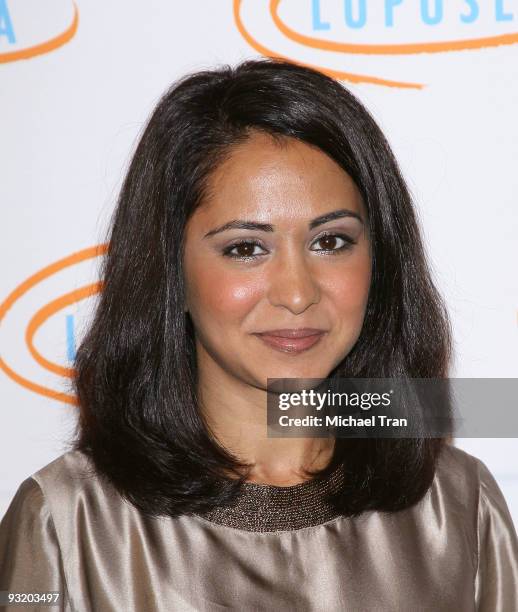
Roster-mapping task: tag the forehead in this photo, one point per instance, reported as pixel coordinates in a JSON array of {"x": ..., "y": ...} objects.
[{"x": 282, "y": 177}]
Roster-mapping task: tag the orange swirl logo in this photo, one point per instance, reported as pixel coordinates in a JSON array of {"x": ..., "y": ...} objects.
[
  {"x": 34, "y": 27},
  {"x": 373, "y": 35},
  {"x": 32, "y": 311}
]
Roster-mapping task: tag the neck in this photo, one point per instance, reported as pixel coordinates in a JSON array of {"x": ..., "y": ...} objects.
[{"x": 235, "y": 413}]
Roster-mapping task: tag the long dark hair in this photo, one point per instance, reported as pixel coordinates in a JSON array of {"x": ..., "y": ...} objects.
[{"x": 136, "y": 368}]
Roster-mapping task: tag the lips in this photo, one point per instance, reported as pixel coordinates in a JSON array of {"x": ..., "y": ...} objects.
[
  {"x": 291, "y": 340},
  {"x": 303, "y": 332}
]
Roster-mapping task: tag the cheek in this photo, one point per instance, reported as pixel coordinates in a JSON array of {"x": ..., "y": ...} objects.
[
  {"x": 224, "y": 297},
  {"x": 349, "y": 288}
]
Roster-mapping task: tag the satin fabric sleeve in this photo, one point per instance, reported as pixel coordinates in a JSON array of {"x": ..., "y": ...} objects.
[
  {"x": 30, "y": 559},
  {"x": 496, "y": 583}
]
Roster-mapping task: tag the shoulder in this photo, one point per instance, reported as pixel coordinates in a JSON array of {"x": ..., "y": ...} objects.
[
  {"x": 68, "y": 473},
  {"x": 457, "y": 460},
  {"x": 71, "y": 481},
  {"x": 461, "y": 487},
  {"x": 27, "y": 506},
  {"x": 468, "y": 488},
  {"x": 475, "y": 495},
  {"x": 468, "y": 479},
  {"x": 61, "y": 479},
  {"x": 55, "y": 480},
  {"x": 28, "y": 540},
  {"x": 67, "y": 481},
  {"x": 467, "y": 483},
  {"x": 462, "y": 476},
  {"x": 73, "y": 490},
  {"x": 74, "y": 496}
]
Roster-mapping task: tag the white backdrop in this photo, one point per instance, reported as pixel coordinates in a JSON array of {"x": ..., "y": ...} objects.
[{"x": 77, "y": 81}]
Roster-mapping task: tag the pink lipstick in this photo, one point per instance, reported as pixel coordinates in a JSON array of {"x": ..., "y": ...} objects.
[{"x": 291, "y": 340}]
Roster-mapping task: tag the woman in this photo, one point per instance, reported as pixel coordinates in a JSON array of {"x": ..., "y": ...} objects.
[{"x": 263, "y": 230}]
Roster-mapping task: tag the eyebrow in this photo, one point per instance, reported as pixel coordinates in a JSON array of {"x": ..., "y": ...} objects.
[{"x": 268, "y": 227}]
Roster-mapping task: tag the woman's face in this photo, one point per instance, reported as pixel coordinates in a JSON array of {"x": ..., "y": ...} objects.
[{"x": 286, "y": 270}]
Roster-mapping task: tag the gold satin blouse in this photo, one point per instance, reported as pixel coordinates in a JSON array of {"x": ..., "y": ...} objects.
[{"x": 278, "y": 549}]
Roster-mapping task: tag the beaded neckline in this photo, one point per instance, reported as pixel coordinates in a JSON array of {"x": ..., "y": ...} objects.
[{"x": 266, "y": 508}]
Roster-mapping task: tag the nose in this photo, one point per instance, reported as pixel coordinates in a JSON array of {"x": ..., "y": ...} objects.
[{"x": 293, "y": 283}]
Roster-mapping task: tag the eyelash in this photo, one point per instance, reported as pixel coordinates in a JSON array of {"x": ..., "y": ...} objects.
[{"x": 349, "y": 243}]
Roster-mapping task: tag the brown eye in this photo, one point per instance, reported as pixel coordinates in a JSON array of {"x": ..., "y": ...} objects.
[
  {"x": 328, "y": 242},
  {"x": 334, "y": 243},
  {"x": 245, "y": 250}
]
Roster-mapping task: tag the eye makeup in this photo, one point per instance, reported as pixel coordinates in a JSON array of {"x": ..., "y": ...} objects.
[{"x": 251, "y": 244}]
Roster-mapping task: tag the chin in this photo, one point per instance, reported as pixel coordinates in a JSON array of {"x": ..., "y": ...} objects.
[{"x": 305, "y": 371}]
